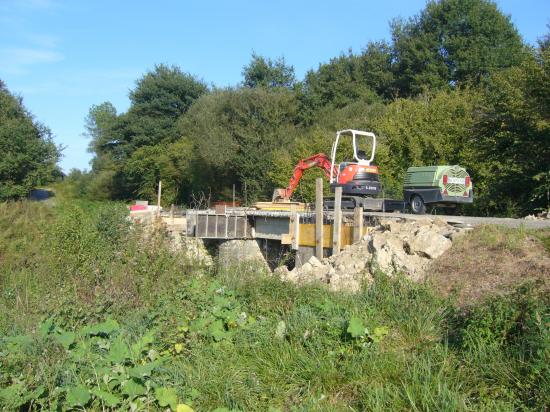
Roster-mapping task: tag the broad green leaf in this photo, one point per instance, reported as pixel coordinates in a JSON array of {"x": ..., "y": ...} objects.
[
  {"x": 78, "y": 396},
  {"x": 379, "y": 333},
  {"x": 11, "y": 396},
  {"x": 167, "y": 397},
  {"x": 133, "y": 389},
  {"x": 222, "y": 302},
  {"x": 217, "y": 330},
  {"x": 118, "y": 352},
  {"x": 18, "y": 343},
  {"x": 66, "y": 339},
  {"x": 141, "y": 371},
  {"x": 198, "y": 325},
  {"x": 108, "y": 398},
  {"x": 143, "y": 344},
  {"x": 356, "y": 328},
  {"x": 46, "y": 327},
  {"x": 178, "y": 347},
  {"x": 107, "y": 327},
  {"x": 184, "y": 408}
]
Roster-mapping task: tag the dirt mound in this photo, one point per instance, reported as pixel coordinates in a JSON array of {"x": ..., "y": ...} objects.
[
  {"x": 395, "y": 246},
  {"x": 490, "y": 260}
]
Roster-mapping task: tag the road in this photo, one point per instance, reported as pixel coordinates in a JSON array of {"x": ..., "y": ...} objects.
[{"x": 471, "y": 220}]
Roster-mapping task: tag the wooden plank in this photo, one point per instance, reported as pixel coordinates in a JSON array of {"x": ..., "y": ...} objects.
[
  {"x": 296, "y": 234},
  {"x": 276, "y": 206},
  {"x": 319, "y": 218},
  {"x": 337, "y": 224},
  {"x": 307, "y": 235},
  {"x": 357, "y": 224}
]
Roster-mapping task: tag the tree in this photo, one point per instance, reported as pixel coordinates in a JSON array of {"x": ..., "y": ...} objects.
[
  {"x": 264, "y": 72},
  {"x": 430, "y": 129},
  {"x": 376, "y": 68},
  {"x": 99, "y": 125},
  {"x": 160, "y": 97},
  {"x": 29, "y": 155},
  {"x": 544, "y": 41},
  {"x": 234, "y": 134},
  {"x": 338, "y": 83},
  {"x": 452, "y": 42},
  {"x": 512, "y": 138}
]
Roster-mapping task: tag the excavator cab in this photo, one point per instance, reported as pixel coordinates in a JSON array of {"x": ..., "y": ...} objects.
[{"x": 359, "y": 176}]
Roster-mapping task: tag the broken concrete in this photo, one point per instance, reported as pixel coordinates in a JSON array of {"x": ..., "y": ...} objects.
[
  {"x": 238, "y": 252},
  {"x": 394, "y": 246}
]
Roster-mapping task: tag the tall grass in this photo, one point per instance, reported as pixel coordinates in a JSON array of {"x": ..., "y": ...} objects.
[{"x": 78, "y": 281}]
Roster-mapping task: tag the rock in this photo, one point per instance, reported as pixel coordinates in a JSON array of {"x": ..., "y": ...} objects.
[
  {"x": 430, "y": 244},
  {"x": 316, "y": 263},
  {"x": 425, "y": 221},
  {"x": 440, "y": 222},
  {"x": 281, "y": 271},
  {"x": 393, "y": 247},
  {"x": 306, "y": 267},
  {"x": 239, "y": 252}
]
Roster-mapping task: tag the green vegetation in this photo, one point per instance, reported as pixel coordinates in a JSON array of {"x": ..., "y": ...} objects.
[
  {"x": 29, "y": 155},
  {"x": 455, "y": 85},
  {"x": 97, "y": 315}
]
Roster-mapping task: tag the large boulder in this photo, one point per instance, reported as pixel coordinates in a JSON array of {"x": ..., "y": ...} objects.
[{"x": 430, "y": 244}]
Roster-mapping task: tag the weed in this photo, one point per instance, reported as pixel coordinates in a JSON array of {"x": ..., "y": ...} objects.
[{"x": 98, "y": 316}]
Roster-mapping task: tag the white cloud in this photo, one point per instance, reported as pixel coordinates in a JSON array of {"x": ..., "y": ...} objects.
[{"x": 18, "y": 60}]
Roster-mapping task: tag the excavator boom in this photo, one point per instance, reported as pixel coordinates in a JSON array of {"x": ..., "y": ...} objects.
[{"x": 320, "y": 160}]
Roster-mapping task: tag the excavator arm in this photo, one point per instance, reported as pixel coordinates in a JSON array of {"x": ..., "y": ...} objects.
[{"x": 320, "y": 160}]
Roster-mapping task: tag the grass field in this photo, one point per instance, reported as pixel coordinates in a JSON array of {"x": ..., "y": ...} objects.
[{"x": 97, "y": 315}]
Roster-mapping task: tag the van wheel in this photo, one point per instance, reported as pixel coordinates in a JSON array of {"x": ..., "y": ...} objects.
[{"x": 417, "y": 205}]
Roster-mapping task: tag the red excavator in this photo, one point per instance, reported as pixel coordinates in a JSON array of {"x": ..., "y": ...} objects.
[{"x": 358, "y": 177}]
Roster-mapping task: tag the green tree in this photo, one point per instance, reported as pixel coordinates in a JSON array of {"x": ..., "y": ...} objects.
[
  {"x": 29, "y": 155},
  {"x": 170, "y": 163},
  {"x": 427, "y": 130},
  {"x": 452, "y": 42},
  {"x": 339, "y": 83},
  {"x": 512, "y": 139},
  {"x": 264, "y": 72},
  {"x": 160, "y": 97},
  {"x": 234, "y": 133}
]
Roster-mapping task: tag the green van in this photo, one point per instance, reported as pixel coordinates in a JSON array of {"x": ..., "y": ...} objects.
[{"x": 437, "y": 185}]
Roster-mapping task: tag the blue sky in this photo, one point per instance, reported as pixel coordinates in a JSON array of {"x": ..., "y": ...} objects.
[{"x": 63, "y": 56}]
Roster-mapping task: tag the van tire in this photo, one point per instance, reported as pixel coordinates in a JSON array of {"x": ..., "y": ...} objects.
[{"x": 417, "y": 205}]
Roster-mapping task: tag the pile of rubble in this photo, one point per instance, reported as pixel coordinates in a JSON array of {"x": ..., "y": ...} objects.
[{"x": 395, "y": 246}]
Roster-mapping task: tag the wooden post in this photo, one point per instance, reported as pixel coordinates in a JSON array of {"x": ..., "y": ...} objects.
[
  {"x": 357, "y": 224},
  {"x": 233, "y": 195},
  {"x": 158, "y": 198},
  {"x": 319, "y": 218},
  {"x": 337, "y": 222},
  {"x": 294, "y": 228}
]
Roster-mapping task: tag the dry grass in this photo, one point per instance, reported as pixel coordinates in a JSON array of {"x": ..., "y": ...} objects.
[{"x": 491, "y": 260}]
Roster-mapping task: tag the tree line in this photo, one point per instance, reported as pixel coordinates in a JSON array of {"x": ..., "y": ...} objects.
[
  {"x": 456, "y": 84},
  {"x": 28, "y": 155}
]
